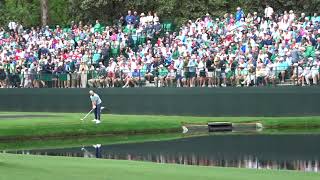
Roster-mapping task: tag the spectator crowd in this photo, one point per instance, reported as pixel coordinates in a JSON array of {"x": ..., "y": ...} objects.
[{"x": 241, "y": 49}]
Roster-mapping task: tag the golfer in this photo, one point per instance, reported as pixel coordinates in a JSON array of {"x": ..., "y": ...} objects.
[{"x": 96, "y": 105}]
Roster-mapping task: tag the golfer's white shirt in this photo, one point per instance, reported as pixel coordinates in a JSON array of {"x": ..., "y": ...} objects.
[{"x": 95, "y": 98}]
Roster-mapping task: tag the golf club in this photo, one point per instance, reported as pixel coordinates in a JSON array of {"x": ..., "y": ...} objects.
[
  {"x": 86, "y": 115},
  {"x": 89, "y": 113}
]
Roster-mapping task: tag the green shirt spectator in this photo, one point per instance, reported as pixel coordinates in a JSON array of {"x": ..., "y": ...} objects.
[
  {"x": 175, "y": 54},
  {"x": 93, "y": 74},
  {"x": 310, "y": 51},
  {"x": 163, "y": 71},
  {"x": 97, "y": 27}
]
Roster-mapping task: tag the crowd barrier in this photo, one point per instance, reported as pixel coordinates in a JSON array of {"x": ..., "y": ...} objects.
[{"x": 252, "y": 101}]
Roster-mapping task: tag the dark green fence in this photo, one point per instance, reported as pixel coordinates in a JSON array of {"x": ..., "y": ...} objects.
[{"x": 280, "y": 101}]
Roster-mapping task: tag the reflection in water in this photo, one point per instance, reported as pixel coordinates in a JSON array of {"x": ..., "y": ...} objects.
[
  {"x": 259, "y": 152},
  {"x": 242, "y": 162}
]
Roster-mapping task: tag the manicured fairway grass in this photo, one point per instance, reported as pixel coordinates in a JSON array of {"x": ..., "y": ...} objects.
[
  {"x": 26, "y": 167},
  {"x": 69, "y": 124}
]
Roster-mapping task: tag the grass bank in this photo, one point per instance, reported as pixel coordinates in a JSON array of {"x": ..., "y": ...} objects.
[
  {"x": 85, "y": 141},
  {"x": 69, "y": 124},
  {"x": 27, "y": 167}
]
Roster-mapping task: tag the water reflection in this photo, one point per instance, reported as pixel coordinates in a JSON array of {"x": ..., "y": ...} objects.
[{"x": 282, "y": 152}]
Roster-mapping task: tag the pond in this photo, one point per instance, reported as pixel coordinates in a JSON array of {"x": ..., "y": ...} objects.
[{"x": 283, "y": 152}]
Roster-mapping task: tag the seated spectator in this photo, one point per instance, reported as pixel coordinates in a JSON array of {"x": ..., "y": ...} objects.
[
  {"x": 310, "y": 72},
  {"x": 160, "y": 80},
  {"x": 205, "y": 51},
  {"x": 241, "y": 74},
  {"x": 297, "y": 74},
  {"x": 261, "y": 74},
  {"x": 93, "y": 82},
  {"x": 270, "y": 74},
  {"x": 250, "y": 77},
  {"x": 281, "y": 68},
  {"x": 171, "y": 77}
]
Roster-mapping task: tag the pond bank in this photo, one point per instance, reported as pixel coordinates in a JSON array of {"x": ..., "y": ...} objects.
[{"x": 62, "y": 125}]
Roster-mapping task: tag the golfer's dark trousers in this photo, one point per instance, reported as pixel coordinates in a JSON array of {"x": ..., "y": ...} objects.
[{"x": 97, "y": 111}]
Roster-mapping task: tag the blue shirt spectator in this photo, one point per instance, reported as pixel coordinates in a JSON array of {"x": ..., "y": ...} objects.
[
  {"x": 239, "y": 14},
  {"x": 130, "y": 19}
]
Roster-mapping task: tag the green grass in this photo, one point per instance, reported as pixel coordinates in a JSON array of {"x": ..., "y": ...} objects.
[
  {"x": 69, "y": 124},
  {"x": 27, "y": 167},
  {"x": 85, "y": 141}
]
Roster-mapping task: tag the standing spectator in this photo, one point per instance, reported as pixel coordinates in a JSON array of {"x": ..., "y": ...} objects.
[
  {"x": 192, "y": 65},
  {"x": 149, "y": 17},
  {"x": 239, "y": 14},
  {"x": 210, "y": 70},
  {"x": 97, "y": 27},
  {"x": 130, "y": 20},
  {"x": 83, "y": 69},
  {"x": 3, "y": 77},
  {"x": 105, "y": 54},
  {"x": 178, "y": 66},
  {"x": 137, "y": 19},
  {"x": 12, "y": 26},
  {"x": 201, "y": 73},
  {"x": 143, "y": 19},
  {"x": 268, "y": 12},
  {"x": 156, "y": 19}
]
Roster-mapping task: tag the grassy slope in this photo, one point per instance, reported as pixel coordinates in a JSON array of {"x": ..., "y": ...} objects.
[
  {"x": 70, "y": 124},
  {"x": 18, "y": 167},
  {"x": 84, "y": 141}
]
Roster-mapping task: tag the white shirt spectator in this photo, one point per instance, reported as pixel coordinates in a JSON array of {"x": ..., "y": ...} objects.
[
  {"x": 268, "y": 12},
  {"x": 292, "y": 16},
  {"x": 12, "y": 25},
  {"x": 149, "y": 18},
  {"x": 112, "y": 66},
  {"x": 143, "y": 19},
  {"x": 315, "y": 68},
  {"x": 306, "y": 71},
  {"x": 133, "y": 65}
]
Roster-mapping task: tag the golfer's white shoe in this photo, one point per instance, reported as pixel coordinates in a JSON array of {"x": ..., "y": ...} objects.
[
  {"x": 98, "y": 122},
  {"x": 102, "y": 108},
  {"x": 94, "y": 120}
]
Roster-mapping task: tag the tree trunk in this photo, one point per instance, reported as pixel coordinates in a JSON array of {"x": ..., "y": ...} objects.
[{"x": 44, "y": 12}]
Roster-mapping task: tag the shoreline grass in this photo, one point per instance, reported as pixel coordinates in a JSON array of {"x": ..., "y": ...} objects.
[
  {"x": 29, "y": 167},
  {"x": 70, "y": 125}
]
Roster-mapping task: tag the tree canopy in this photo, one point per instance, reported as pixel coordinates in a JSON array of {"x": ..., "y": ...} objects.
[{"x": 28, "y": 12}]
